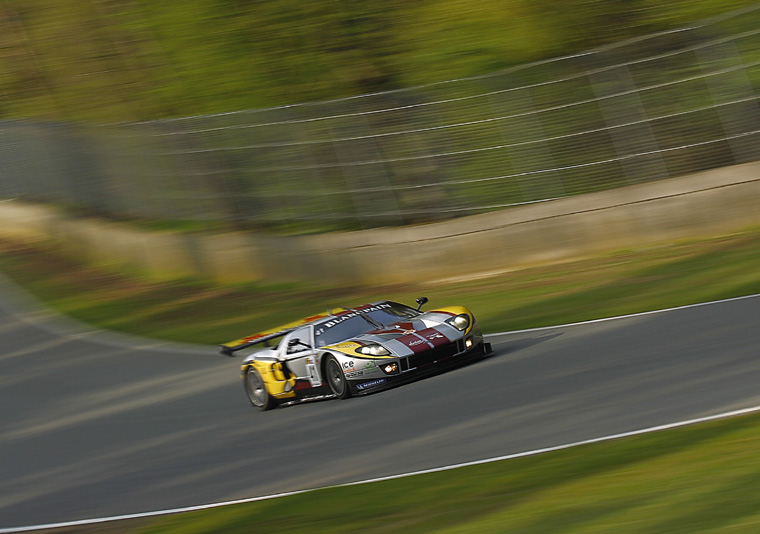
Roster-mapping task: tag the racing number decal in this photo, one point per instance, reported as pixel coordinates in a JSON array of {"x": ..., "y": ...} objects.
[{"x": 311, "y": 369}]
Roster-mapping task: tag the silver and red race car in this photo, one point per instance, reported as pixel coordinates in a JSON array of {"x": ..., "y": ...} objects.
[{"x": 354, "y": 351}]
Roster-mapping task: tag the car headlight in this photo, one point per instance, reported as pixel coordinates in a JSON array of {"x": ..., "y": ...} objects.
[
  {"x": 460, "y": 322},
  {"x": 373, "y": 350}
]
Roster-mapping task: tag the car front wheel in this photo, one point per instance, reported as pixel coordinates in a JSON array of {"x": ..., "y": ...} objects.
[
  {"x": 336, "y": 379},
  {"x": 257, "y": 390}
]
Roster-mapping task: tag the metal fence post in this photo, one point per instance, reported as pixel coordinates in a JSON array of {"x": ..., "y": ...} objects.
[
  {"x": 529, "y": 151},
  {"x": 627, "y": 121},
  {"x": 734, "y": 96}
]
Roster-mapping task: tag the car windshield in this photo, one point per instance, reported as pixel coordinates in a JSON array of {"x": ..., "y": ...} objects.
[
  {"x": 341, "y": 328},
  {"x": 355, "y": 323},
  {"x": 389, "y": 313}
]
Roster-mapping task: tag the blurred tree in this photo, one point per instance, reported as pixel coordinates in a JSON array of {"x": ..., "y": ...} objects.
[{"x": 113, "y": 60}]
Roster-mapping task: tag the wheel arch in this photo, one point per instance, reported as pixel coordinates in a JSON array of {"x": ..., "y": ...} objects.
[
  {"x": 323, "y": 357},
  {"x": 268, "y": 401}
]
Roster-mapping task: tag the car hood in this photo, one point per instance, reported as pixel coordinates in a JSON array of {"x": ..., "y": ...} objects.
[{"x": 409, "y": 338}]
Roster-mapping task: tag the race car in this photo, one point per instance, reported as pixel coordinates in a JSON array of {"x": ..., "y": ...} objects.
[{"x": 355, "y": 351}]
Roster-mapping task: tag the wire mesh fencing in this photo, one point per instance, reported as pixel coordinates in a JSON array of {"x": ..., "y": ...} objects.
[{"x": 645, "y": 109}]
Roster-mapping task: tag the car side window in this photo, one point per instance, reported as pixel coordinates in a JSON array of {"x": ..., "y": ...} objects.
[{"x": 299, "y": 341}]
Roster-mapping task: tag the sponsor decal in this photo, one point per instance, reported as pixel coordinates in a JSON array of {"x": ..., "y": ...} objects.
[
  {"x": 345, "y": 317},
  {"x": 314, "y": 318},
  {"x": 348, "y": 366},
  {"x": 415, "y": 342},
  {"x": 313, "y": 376},
  {"x": 372, "y": 384},
  {"x": 354, "y": 374},
  {"x": 422, "y": 340},
  {"x": 252, "y": 338},
  {"x": 436, "y": 338}
]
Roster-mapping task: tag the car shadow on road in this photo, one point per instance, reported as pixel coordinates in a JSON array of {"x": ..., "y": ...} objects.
[{"x": 516, "y": 345}]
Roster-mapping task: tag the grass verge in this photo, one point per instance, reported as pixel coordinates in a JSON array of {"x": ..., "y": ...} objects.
[{"x": 194, "y": 311}]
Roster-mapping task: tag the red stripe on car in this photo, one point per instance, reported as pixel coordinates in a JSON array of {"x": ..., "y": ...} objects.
[
  {"x": 414, "y": 342},
  {"x": 434, "y": 336}
]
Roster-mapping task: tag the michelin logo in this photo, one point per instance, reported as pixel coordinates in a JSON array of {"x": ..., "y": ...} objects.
[{"x": 372, "y": 384}]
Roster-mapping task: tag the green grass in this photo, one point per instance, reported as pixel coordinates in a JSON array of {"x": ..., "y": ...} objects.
[
  {"x": 196, "y": 311},
  {"x": 121, "y": 61},
  {"x": 694, "y": 479}
]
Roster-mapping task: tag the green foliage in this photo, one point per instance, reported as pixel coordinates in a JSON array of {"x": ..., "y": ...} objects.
[{"x": 122, "y": 60}]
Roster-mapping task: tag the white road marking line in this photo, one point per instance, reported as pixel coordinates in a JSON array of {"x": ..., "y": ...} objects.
[
  {"x": 535, "y": 452},
  {"x": 606, "y": 319}
]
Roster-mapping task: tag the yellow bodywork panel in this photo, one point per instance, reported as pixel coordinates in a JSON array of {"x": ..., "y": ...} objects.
[
  {"x": 459, "y": 310},
  {"x": 349, "y": 349},
  {"x": 274, "y": 378}
]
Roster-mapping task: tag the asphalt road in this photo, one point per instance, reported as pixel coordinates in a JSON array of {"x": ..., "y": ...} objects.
[{"x": 96, "y": 425}]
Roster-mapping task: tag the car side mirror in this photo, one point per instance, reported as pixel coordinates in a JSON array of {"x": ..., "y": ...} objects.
[
  {"x": 420, "y": 302},
  {"x": 296, "y": 345}
]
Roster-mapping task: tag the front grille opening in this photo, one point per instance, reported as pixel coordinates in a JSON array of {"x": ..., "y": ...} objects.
[{"x": 431, "y": 356}]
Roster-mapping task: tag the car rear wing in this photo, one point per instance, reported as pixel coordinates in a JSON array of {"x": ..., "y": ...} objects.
[{"x": 228, "y": 349}]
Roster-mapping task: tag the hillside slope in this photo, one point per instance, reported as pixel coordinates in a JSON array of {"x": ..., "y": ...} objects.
[{"x": 125, "y": 60}]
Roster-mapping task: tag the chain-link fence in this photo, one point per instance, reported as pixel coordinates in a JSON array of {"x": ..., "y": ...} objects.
[{"x": 645, "y": 109}]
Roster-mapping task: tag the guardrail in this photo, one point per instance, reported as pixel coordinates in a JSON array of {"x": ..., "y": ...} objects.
[
  {"x": 641, "y": 110},
  {"x": 709, "y": 203}
]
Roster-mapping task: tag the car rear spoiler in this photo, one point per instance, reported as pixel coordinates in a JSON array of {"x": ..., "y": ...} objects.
[{"x": 229, "y": 349}]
